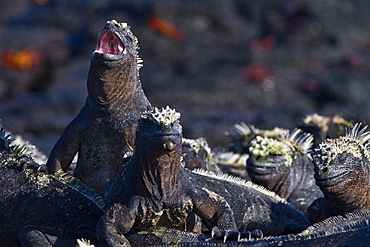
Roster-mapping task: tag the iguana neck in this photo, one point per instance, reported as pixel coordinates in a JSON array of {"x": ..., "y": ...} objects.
[
  {"x": 160, "y": 173},
  {"x": 113, "y": 88}
]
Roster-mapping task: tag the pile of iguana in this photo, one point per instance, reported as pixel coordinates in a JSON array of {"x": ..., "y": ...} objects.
[
  {"x": 154, "y": 189},
  {"x": 104, "y": 130},
  {"x": 281, "y": 164},
  {"x": 31, "y": 200},
  {"x": 342, "y": 172}
]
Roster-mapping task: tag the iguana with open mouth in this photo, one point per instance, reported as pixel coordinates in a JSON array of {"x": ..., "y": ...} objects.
[
  {"x": 154, "y": 189},
  {"x": 104, "y": 130}
]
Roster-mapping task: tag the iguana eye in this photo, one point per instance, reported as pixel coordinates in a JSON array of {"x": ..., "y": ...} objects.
[{"x": 129, "y": 39}]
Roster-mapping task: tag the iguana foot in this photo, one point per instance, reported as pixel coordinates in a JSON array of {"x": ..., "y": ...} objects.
[{"x": 226, "y": 234}]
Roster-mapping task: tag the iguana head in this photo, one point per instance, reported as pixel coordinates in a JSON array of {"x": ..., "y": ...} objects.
[
  {"x": 343, "y": 161},
  {"x": 271, "y": 159},
  {"x": 241, "y": 135},
  {"x": 159, "y": 130},
  {"x": 323, "y": 127},
  {"x": 115, "y": 43},
  {"x": 196, "y": 153},
  {"x": 115, "y": 64}
]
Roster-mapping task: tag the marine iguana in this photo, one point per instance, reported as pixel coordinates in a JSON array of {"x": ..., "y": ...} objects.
[
  {"x": 282, "y": 165},
  {"x": 104, "y": 130},
  {"x": 154, "y": 189},
  {"x": 342, "y": 173},
  {"x": 323, "y": 127},
  {"x": 31, "y": 199}
]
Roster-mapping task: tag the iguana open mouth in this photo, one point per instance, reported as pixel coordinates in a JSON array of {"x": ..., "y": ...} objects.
[{"x": 110, "y": 43}]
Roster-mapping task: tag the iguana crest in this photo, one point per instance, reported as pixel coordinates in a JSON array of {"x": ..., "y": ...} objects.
[
  {"x": 296, "y": 140},
  {"x": 355, "y": 141},
  {"x": 163, "y": 116},
  {"x": 6, "y": 144}
]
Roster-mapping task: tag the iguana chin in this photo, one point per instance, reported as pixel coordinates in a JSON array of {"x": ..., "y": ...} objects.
[
  {"x": 152, "y": 189},
  {"x": 104, "y": 130},
  {"x": 281, "y": 165},
  {"x": 342, "y": 172},
  {"x": 40, "y": 209}
]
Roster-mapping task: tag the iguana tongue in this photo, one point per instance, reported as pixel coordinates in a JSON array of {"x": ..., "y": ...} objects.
[{"x": 108, "y": 42}]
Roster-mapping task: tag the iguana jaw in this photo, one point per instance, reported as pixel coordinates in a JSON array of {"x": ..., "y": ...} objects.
[
  {"x": 115, "y": 43},
  {"x": 333, "y": 179},
  {"x": 110, "y": 45}
]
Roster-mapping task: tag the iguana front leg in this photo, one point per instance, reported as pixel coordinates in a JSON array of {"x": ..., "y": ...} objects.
[
  {"x": 113, "y": 224},
  {"x": 215, "y": 213},
  {"x": 65, "y": 149}
]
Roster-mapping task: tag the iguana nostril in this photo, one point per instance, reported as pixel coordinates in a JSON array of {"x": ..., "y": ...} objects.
[{"x": 324, "y": 169}]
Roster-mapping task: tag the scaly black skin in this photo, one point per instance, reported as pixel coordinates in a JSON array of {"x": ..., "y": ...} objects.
[
  {"x": 254, "y": 206},
  {"x": 154, "y": 185},
  {"x": 352, "y": 229},
  {"x": 324, "y": 127},
  {"x": 31, "y": 199},
  {"x": 152, "y": 189},
  {"x": 282, "y": 165},
  {"x": 104, "y": 130},
  {"x": 342, "y": 172}
]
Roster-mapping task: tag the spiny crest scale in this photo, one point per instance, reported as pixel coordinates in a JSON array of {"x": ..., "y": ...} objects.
[
  {"x": 7, "y": 140},
  {"x": 300, "y": 140},
  {"x": 355, "y": 142},
  {"x": 163, "y": 116}
]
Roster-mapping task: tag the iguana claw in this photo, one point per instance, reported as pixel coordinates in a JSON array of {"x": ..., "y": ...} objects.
[
  {"x": 227, "y": 234},
  {"x": 250, "y": 235}
]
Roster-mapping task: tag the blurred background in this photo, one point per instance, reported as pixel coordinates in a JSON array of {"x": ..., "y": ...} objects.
[{"x": 218, "y": 62}]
